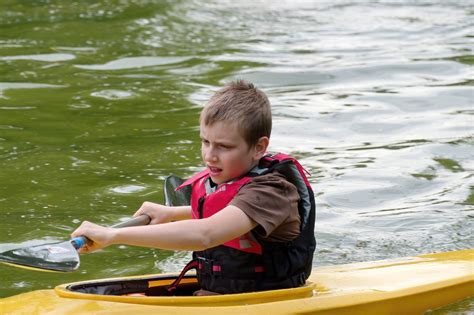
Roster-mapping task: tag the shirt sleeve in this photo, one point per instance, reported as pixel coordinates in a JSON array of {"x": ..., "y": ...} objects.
[{"x": 272, "y": 202}]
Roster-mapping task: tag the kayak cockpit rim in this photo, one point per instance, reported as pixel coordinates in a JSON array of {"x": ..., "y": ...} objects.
[{"x": 151, "y": 290}]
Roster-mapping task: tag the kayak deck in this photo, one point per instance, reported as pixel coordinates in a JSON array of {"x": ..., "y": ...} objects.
[{"x": 398, "y": 286}]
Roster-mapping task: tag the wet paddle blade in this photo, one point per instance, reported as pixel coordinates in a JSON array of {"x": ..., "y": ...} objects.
[
  {"x": 175, "y": 198},
  {"x": 61, "y": 257}
]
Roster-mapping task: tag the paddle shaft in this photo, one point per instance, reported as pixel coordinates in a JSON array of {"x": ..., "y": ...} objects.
[{"x": 143, "y": 219}]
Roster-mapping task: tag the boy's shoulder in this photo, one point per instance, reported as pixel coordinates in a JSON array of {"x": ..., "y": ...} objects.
[{"x": 273, "y": 179}]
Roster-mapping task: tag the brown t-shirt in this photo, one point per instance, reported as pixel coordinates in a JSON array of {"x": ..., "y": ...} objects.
[{"x": 272, "y": 202}]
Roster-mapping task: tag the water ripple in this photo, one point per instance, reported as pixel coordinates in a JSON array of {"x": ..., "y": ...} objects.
[
  {"x": 24, "y": 85},
  {"x": 41, "y": 57},
  {"x": 134, "y": 62}
]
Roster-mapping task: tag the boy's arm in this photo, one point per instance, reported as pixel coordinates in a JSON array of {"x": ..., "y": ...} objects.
[
  {"x": 162, "y": 214},
  {"x": 225, "y": 225},
  {"x": 182, "y": 213}
]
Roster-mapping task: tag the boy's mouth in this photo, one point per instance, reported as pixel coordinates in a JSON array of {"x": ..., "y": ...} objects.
[{"x": 214, "y": 171}]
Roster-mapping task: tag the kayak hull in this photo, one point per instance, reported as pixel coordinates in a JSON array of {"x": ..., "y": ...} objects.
[{"x": 409, "y": 285}]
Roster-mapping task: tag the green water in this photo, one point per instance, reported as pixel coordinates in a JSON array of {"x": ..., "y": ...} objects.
[
  {"x": 99, "y": 101},
  {"x": 79, "y": 144}
]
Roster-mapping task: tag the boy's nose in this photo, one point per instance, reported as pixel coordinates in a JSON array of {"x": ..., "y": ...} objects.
[{"x": 210, "y": 155}]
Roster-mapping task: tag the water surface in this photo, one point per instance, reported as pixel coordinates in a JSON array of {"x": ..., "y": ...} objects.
[{"x": 100, "y": 101}]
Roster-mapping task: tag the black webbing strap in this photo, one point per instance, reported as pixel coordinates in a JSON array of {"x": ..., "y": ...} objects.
[{"x": 193, "y": 264}]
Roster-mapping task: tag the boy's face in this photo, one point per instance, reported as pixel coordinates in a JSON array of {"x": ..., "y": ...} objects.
[{"x": 226, "y": 153}]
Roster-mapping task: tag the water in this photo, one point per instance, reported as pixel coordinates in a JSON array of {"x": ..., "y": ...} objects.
[{"x": 100, "y": 101}]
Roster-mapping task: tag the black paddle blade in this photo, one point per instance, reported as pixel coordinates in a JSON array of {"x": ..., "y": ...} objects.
[
  {"x": 53, "y": 257},
  {"x": 174, "y": 198}
]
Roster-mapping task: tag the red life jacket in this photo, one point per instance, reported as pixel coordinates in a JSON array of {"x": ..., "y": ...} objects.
[
  {"x": 246, "y": 264},
  {"x": 216, "y": 201}
]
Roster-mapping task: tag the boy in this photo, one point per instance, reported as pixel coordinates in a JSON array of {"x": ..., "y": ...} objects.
[{"x": 251, "y": 219}]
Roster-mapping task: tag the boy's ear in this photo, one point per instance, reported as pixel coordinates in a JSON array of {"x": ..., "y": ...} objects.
[{"x": 261, "y": 147}]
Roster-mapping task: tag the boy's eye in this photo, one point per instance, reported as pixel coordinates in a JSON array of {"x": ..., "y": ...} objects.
[{"x": 226, "y": 146}]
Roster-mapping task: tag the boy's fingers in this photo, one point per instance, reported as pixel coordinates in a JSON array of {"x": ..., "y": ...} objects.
[
  {"x": 85, "y": 249},
  {"x": 144, "y": 210},
  {"x": 141, "y": 210},
  {"x": 79, "y": 230}
]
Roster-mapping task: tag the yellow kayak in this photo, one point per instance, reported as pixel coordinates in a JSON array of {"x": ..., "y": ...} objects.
[{"x": 409, "y": 285}]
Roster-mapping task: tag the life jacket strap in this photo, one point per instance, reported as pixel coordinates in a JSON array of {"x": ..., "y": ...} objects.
[
  {"x": 210, "y": 267},
  {"x": 193, "y": 264}
]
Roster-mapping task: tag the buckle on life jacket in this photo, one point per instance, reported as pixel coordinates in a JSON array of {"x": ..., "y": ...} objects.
[{"x": 207, "y": 266}]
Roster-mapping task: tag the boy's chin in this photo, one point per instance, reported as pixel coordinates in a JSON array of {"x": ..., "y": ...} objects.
[
  {"x": 216, "y": 180},
  {"x": 219, "y": 179}
]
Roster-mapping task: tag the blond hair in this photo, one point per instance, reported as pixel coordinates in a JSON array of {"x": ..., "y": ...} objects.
[{"x": 242, "y": 103}]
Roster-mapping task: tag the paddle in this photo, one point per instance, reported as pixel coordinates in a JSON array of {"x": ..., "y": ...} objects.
[
  {"x": 60, "y": 256},
  {"x": 63, "y": 256},
  {"x": 173, "y": 197}
]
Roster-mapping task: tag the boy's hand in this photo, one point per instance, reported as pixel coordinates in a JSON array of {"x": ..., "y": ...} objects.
[
  {"x": 158, "y": 213},
  {"x": 100, "y": 236}
]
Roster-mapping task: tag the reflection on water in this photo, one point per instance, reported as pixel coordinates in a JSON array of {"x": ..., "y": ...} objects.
[{"x": 99, "y": 103}]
